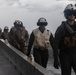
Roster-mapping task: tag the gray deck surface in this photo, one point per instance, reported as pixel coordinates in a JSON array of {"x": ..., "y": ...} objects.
[{"x": 6, "y": 67}]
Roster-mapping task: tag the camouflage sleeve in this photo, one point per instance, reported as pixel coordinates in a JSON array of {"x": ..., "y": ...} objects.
[
  {"x": 59, "y": 35},
  {"x": 53, "y": 44}
]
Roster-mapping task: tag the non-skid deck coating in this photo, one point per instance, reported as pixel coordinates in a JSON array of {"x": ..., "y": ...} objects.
[{"x": 6, "y": 67}]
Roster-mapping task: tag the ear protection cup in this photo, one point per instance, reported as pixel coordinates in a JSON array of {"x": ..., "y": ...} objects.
[{"x": 42, "y": 23}]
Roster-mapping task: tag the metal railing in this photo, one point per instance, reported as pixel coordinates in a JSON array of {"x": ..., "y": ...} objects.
[{"x": 19, "y": 59}]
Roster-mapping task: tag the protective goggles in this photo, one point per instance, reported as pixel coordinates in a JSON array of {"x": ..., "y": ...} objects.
[{"x": 70, "y": 12}]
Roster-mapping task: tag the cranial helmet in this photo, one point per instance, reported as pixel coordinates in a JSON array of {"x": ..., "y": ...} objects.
[
  {"x": 17, "y": 22},
  {"x": 42, "y": 21},
  {"x": 6, "y": 28},
  {"x": 69, "y": 10}
]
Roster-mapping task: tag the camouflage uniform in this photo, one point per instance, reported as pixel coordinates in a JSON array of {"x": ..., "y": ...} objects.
[
  {"x": 11, "y": 36},
  {"x": 19, "y": 36},
  {"x": 22, "y": 37},
  {"x": 5, "y": 33}
]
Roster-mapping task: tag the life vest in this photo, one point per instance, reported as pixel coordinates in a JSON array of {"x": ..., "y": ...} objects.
[
  {"x": 21, "y": 34},
  {"x": 70, "y": 30},
  {"x": 69, "y": 35},
  {"x": 22, "y": 37},
  {"x": 41, "y": 39}
]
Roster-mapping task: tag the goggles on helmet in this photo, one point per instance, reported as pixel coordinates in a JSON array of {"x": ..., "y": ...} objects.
[
  {"x": 69, "y": 12},
  {"x": 18, "y": 23},
  {"x": 42, "y": 22}
]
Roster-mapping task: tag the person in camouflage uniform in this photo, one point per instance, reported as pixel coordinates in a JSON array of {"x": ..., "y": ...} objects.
[
  {"x": 5, "y": 33},
  {"x": 20, "y": 37},
  {"x": 12, "y": 34},
  {"x": 0, "y": 33}
]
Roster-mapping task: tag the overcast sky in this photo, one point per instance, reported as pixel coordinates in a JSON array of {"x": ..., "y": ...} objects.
[{"x": 29, "y": 11}]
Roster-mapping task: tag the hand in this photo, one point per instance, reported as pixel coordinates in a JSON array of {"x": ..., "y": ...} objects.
[
  {"x": 28, "y": 53},
  {"x": 18, "y": 46},
  {"x": 56, "y": 65},
  {"x": 29, "y": 58}
]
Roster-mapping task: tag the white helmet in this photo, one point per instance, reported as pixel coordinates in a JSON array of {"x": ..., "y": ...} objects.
[
  {"x": 6, "y": 27},
  {"x": 70, "y": 7},
  {"x": 69, "y": 10},
  {"x": 42, "y": 21}
]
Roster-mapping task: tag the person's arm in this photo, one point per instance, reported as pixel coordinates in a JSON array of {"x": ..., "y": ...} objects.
[
  {"x": 55, "y": 52},
  {"x": 59, "y": 34},
  {"x": 58, "y": 37},
  {"x": 31, "y": 40},
  {"x": 53, "y": 44}
]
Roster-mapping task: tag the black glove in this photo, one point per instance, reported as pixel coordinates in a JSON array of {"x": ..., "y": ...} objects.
[
  {"x": 28, "y": 53},
  {"x": 56, "y": 63}
]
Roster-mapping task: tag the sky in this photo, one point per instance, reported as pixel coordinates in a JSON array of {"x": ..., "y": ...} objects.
[{"x": 29, "y": 11}]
